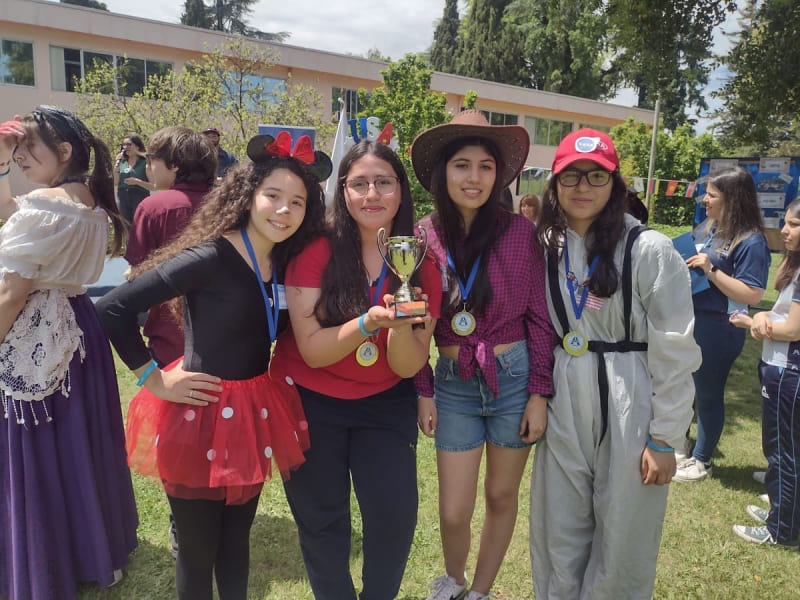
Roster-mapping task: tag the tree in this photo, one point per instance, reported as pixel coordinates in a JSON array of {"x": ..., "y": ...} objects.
[
  {"x": 679, "y": 154},
  {"x": 564, "y": 46},
  {"x": 488, "y": 46},
  {"x": 224, "y": 88},
  {"x": 445, "y": 39},
  {"x": 229, "y": 16},
  {"x": 87, "y": 3},
  {"x": 406, "y": 100},
  {"x": 663, "y": 47},
  {"x": 762, "y": 97}
]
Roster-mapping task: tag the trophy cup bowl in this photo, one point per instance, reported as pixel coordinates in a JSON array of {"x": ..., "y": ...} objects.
[{"x": 403, "y": 255}]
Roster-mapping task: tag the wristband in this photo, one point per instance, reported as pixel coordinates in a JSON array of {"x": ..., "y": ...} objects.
[
  {"x": 6, "y": 173},
  {"x": 653, "y": 446},
  {"x": 364, "y": 331},
  {"x": 143, "y": 377}
]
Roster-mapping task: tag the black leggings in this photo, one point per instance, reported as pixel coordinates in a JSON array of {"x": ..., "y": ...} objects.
[{"x": 212, "y": 537}]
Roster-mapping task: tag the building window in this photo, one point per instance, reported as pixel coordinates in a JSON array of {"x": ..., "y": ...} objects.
[
  {"x": 604, "y": 128},
  {"x": 547, "y": 132},
  {"x": 350, "y": 98},
  {"x": 498, "y": 118},
  {"x": 16, "y": 63},
  {"x": 260, "y": 88},
  {"x": 67, "y": 65}
]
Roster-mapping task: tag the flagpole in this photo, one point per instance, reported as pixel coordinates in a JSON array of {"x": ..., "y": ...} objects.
[
  {"x": 652, "y": 166},
  {"x": 337, "y": 152}
]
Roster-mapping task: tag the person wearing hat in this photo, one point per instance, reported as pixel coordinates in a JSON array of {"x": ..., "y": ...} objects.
[
  {"x": 619, "y": 296},
  {"x": 210, "y": 424},
  {"x": 352, "y": 361},
  {"x": 494, "y": 372},
  {"x": 225, "y": 160}
]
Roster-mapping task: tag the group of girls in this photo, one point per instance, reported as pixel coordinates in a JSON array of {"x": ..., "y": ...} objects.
[{"x": 589, "y": 340}]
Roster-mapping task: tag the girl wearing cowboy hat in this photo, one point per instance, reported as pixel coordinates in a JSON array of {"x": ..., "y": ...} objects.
[
  {"x": 495, "y": 340},
  {"x": 620, "y": 298},
  {"x": 210, "y": 424},
  {"x": 352, "y": 361}
]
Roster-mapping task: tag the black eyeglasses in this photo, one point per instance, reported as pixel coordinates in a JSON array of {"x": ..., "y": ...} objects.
[
  {"x": 385, "y": 185},
  {"x": 151, "y": 155},
  {"x": 595, "y": 177}
]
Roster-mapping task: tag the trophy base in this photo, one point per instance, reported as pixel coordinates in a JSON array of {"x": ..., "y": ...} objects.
[{"x": 412, "y": 308}]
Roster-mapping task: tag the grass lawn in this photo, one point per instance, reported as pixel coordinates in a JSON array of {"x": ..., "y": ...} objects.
[{"x": 700, "y": 556}]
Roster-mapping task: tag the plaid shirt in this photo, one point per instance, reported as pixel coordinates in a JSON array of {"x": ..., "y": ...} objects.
[{"x": 518, "y": 311}]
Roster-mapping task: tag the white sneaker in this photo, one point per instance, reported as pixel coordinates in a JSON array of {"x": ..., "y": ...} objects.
[
  {"x": 764, "y": 498},
  {"x": 446, "y": 588},
  {"x": 473, "y": 595},
  {"x": 759, "y": 514},
  {"x": 683, "y": 451},
  {"x": 692, "y": 470},
  {"x": 759, "y": 476}
]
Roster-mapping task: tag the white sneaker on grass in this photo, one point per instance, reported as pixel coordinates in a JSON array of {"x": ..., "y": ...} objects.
[
  {"x": 446, "y": 588},
  {"x": 692, "y": 470},
  {"x": 764, "y": 498},
  {"x": 758, "y": 513},
  {"x": 473, "y": 595},
  {"x": 759, "y": 476},
  {"x": 683, "y": 451}
]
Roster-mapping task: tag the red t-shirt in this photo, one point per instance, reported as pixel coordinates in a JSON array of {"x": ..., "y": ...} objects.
[{"x": 345, "y": 379}]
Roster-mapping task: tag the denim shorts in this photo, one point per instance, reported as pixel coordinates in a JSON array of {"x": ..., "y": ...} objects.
[{"x": 468, "y": 414}]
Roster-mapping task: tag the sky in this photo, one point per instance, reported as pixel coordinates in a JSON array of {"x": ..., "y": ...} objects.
[{"x": 394, "y": 27}]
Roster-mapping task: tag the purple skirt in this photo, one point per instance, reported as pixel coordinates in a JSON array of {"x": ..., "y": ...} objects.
[{"x": 67, "y": 511}]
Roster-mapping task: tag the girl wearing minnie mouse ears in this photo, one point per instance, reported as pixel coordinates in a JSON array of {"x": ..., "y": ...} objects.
[{"x": 210, "y": 424}]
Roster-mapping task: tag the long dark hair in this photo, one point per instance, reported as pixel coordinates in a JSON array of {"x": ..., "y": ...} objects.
[
  {"x": 791, "y": 262},
  {"x": 741, "y": 216},
  {"x": 602, "y": 237},
  {"x": 55, "y": 125},
  {"x": 343, "y": 295},
  {"x": 488, "y": 225},
  {"x": 137, "y": 141},
  {"x": 227, "y": 208}
]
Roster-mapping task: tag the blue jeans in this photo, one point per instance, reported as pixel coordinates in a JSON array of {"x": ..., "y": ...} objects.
[
  {"x": 720, "y": 343},
  {"x": 780, "y": 440}
]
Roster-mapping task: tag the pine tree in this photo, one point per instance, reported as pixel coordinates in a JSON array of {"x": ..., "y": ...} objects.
[
  {"x": 87, "y": 3},
  {"x": 196, "y": 14},
  {"x": 229, "y": 16},
  {"x": 445, "y": 39},
  {"x": 488, "y": 47}
]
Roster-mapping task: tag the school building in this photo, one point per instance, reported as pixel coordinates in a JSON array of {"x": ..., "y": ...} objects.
[{"x": 45, "y": 45}]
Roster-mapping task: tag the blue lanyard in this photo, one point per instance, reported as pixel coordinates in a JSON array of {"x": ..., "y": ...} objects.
[
  {"x": 379, "y": 288},
  {"x": 274, "y": 311},
  {"x": 465, "y": 289},
  {"x": 577, "y": 307}
]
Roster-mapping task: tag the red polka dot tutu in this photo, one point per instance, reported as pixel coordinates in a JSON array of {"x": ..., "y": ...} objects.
[{"x": 223, "y": 451}]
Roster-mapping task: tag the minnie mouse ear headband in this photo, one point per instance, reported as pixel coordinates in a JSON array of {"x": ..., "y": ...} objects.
[
  {"x": 586, "y": 144},
  {"x": 264, "y": 147},
  {"x": 512, "y": 143}
]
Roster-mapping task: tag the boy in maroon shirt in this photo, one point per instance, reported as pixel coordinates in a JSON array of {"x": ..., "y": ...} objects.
[{"x": 183, "y": 164}]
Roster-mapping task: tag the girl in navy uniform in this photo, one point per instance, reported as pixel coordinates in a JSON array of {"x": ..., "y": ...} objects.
[{"x": 779, "y": 372}]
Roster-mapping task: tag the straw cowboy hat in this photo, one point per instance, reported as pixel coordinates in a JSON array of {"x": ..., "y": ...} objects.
[{"x": 512, "y": 143}]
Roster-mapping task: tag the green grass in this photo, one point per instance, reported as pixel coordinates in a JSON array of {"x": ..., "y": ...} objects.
[{"x": 700, "y": 556}]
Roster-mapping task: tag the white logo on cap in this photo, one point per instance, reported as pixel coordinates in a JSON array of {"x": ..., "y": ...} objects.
[{"x": 589, "y": 144}]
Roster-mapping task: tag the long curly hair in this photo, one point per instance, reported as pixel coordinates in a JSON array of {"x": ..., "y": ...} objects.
[
  {"x": 227, "y": 208},
  {"x": 488, "y": 225},
  {"x": 741, "y": 216},
  {"x": 602, "y": 236},
  {"x": 343, "y": 296},
  {"x": 53, "y": 126}
]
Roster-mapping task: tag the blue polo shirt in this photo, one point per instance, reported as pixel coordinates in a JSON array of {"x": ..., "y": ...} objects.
[{"x": 748, "y": 262}]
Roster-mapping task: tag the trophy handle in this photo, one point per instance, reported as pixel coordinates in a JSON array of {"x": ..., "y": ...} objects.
[
  {"x": 425, "y": 247},
  {"x": 382, "y": 241}
]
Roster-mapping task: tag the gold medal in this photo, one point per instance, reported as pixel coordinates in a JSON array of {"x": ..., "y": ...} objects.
[
  {"x": 575, "y": 343},
  {"x": 367, "y": 354},
  {"x": 462, "y": 323}
]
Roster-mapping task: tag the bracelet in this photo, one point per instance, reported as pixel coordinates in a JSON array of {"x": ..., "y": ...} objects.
[
  {"x": 364, "y": 331},
  {"x": 143, "y": 377},
  {"x": 657, "y": 448},
  {"x": 6, "y": 173}
]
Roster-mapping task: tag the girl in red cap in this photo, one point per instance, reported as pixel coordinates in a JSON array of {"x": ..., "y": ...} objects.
[{"x": 619, "y": 297}]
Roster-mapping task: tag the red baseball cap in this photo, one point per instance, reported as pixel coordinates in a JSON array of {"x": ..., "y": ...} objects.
[{"x": 586, "y": 144}]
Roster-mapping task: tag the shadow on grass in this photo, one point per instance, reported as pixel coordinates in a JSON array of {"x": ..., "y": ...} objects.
[{"x": 738, "y": 477}]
